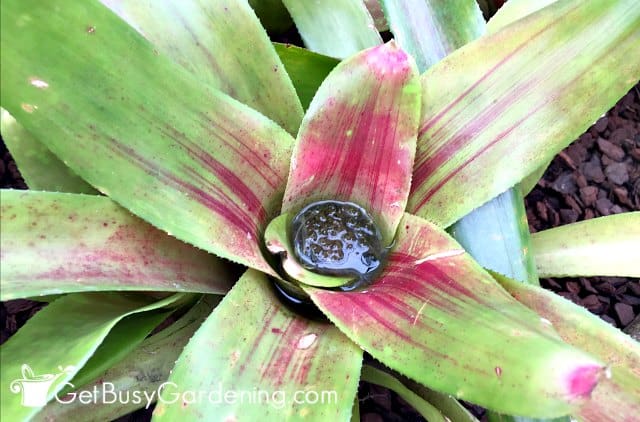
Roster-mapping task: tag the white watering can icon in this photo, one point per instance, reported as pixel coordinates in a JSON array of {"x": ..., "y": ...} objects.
[{"x": 35, "y": 388}]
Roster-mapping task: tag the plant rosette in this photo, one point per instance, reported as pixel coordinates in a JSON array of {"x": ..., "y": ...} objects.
[{"x": 187, "y": 136}]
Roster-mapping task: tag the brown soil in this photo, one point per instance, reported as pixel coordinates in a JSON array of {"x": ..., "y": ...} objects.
[{"x": 598, "y": 174}]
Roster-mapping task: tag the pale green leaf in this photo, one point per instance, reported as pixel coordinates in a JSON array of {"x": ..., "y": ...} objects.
[
  {"x": 544, "y": 79},
  {"x": 144, "y": 370},
  {"x": 223, "y": 44},
  {"x": 514, "y": 10},
  {"x": 252, "y": 343},
  {"x": 336, "y": 28},
  {"x": 55, "y": 243},
  {"x": 80, "y": 323},
  {"x": 39, "y": 167},
  {"x": 184, "y": 157},
  {"x": 431, "y": 29},
  {"x": 600, "y": 246}
]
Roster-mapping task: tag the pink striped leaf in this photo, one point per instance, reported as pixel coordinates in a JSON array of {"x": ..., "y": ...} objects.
[
  {"x": 186, "y": 158},
  {"x": 502, "y": 106},
  {"x": 279, "y": 366},
  {"x": 435, "y": 316},
  {"x": 357, "y": 140},
  {"x": 56, "y": 243}
]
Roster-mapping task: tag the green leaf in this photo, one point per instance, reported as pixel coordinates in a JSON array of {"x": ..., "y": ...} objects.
[
  {"x": 272, "y": 14},
  {"x": 514, "y": 10},
  {"x": 80, "y": 323},
  {"x": 431, "y": 29},
  {"x": 357, "y": 140},
  {"x": 223, "y": 44},
  {"x": 497, "y": 236},
  {"x": 435, "y": 316},
  {"x": 576, "y": 325},
  {"x": 480, "y": 102},
  {"x": 185, "y": 158},
  {"x": 306, "y": 69},
  {"x": 336, "y": 28},
  {"x": 277, "y": 241},
  {"x": 55, "y": 243},
  {"x": 252, "y": 343},
  {"x": 617, "y": 396},
  {"x": 600, "y": 246},
  {"x": 446, "y": 403},
  {"x": 529, "y": 182},
  {"x": 378, "y": 377},
  {"x": 144, "y": 370},
  {"x": 121, "y": 340},
  {"x": 39, "y": 167}
]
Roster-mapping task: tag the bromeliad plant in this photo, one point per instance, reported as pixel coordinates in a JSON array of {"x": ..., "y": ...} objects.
[{"x": 165, "y": 116}]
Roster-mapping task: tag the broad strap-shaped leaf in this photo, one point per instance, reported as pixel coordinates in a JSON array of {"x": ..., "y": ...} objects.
[
  {"x": 519, "y": 96},
  {"x": 431, "y": 29},
  {"x": 514, "y": 10},
  {"x": 446, "y": 403},
  {"x": 435, "y": 316},
  {"x": 617, "y": 396},
  {"x": 56, "y": 243},
  {"x": 600, "y": 246},
  {"x": 357, "y": 140},
  {"x": 223, "y": 44},
  {"x": 39, "y": 167},
  {"x": 306, "y": 69},
  {"x": 510, "y": 12},
  {"x": 186, "y": 158},
  {"x": 277, "y": 364},
  {"x": 497, "y": 236},
  {"x": 577, "y": 326},
  {"x": 145, "y": 369},
  {"x": 80, "y": 323},
  {"x": 125, "y": 336},
  {"x": 336, "y": 28}
]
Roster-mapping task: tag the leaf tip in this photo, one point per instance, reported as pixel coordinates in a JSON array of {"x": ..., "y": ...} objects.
[{"x": 582, "y": 380}]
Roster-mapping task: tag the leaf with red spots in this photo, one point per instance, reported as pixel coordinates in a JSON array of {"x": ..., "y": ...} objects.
[
  {"x": 56, "y": 243},
  {"x": 617, "y": 396},
  {"x": 357, "y": 140},
  {"x": 435, "y": 316},
  {"x": 499, "y": 108},
  {"x": 211, "y": 39},
  {"x": 273, "y": 364},
  {"x": 182, "y": 156}
]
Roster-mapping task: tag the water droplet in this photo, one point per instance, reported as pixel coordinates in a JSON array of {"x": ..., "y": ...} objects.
[
  {"x": 306, "y": 341},
  {"x": 38, "y": 83}
]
